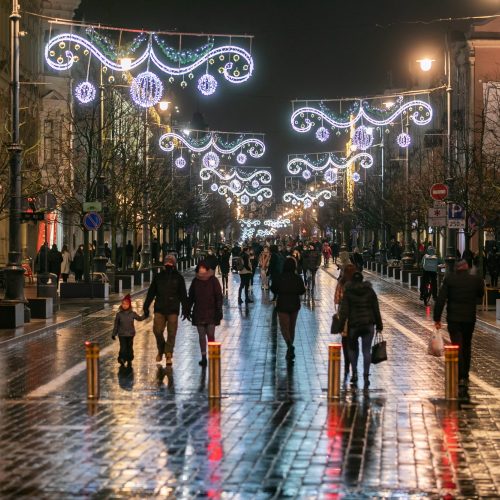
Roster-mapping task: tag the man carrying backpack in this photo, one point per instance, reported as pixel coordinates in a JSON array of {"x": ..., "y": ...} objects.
[{"x": 244, "y": 267}]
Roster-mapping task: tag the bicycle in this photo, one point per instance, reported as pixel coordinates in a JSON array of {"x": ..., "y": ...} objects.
[{"x": 427, "y": 293}]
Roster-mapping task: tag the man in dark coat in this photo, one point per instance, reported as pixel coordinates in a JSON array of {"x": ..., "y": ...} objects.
[
  {"x": 168, "y": 290},
  {"x": 55, "y": 259},
  {"x": 461, "y": 291}
]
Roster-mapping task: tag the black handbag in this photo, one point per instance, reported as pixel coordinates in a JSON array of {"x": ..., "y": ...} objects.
[
  {"x": 379, "y": 349},
  {"x": 335, "y": 328}
]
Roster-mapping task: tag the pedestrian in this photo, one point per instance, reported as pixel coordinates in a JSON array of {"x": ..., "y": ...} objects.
[
  {"x": 357, "y": 259},
  {"x": 276, "y": 263},
  {"x": 155, "y": 251},
  {"x": 211, "y": 259},
  {"x": 205, "y": 306},
  {"x": 311, "y": 261},
  {"x": 129, "y": 253},
  {"x": 359, "y": 308},
  {"x": 327, "y": 253},
  {"x": 346, "y": 278},
  {"x": 55, "y": 260},
  {"x": 335, "y": 252},
  {"x": 124, "y": 329},
  {"x": 430, "y": 266},
  {"x": 41, "y": 260},
  {"x": 493, "y": 265},
  {"x": 245, "y": 272},
  {"x": 288, "y": 287},
  {"x": 461, "y": 292},
  {"x": 107, "y": 250},
  {"x": 225, "y": 267},
  {"x": 168, "y": 290},
  {"x": 253, "y": 264},
  {"x": 65, "y": 264},
  {"x": 264, "y": 259},
  {"x": 78, "y": 263}
]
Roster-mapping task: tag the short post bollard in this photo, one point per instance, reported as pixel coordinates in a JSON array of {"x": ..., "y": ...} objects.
[
  {"x": 334, "y": 370},
  {"x": 214, "y": 369},
  {"x": 451, "y": 371},
  {"x": 92, "y": 356}
]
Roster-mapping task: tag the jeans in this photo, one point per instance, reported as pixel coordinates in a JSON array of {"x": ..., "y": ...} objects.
[
  {"x": 126, "y": 349},
  {"x": 205, "y": 331},
  {"x": 366, "y": 333},
  {"x": 159, "y": 323},
  {"x": 287, "y": 325},
  {"x": 244, "y": 284},
  {"x": 225, "y": 281},
  {"x": 461, "y": 335}
]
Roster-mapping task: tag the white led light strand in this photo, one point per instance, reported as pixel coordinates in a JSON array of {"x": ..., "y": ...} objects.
[
  {"x": 264, "y": 192},
  {"x": 297, "y": 164},
  {"x": 277, "y": 223},
  {"x": 263, "y": 176},
  {"x": 249, "y": 222},
  {"x": 307, "y": 198}
]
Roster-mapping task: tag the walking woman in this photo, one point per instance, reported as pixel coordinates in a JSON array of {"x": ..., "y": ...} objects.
[
  {"x": 264, "y": 260},
  {"x": 224, "y": 266},
  {"x": 359, "y": 307},
  {"x": 288, "y": 287},
  {"x": 349, "y": 270},
  {"x": 205, "y": 301},
  {"x": 66, "y": 263}
]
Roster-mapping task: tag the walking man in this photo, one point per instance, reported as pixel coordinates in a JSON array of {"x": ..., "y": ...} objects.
[
  {"x": 168, "y": 290},
  {"x": 461, "y": 291},
  {"x": 245, "y": 272}
]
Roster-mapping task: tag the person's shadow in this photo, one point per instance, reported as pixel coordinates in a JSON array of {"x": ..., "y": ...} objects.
[{"x": 126, "y": 378}]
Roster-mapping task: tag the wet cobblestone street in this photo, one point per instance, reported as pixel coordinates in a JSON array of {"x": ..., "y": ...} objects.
[{"x": 274, "y": 434}]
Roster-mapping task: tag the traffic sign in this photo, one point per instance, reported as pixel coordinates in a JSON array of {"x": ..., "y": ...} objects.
[
  {"x": 439, "y": 191},
  {"x": 437, "y": 217},
  {"x": 92, "y": 221},
  {"x": 92, "y": 206},
  {"x": 456, "y": 216}
]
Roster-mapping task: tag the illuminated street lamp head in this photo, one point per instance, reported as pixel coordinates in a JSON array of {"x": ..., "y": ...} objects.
[
  {"x": 425, "y": 64},
  {"x": 163, "y": 105},
  {"x": 126, "y": 63}
]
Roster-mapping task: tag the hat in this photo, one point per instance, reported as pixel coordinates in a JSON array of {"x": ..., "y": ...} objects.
[
  {"x": 127, "y": 298},
  {"x": 461, "y": 265},
  {"x": 170, "y": 260}
]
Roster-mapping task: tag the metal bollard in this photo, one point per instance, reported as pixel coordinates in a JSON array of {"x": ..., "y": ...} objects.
[
  {"x": 451, "y": 371},
  {"x": 214, "y": 369},
  {"x": 92, "y": 355},
  {"x": 334, "y": 370}
]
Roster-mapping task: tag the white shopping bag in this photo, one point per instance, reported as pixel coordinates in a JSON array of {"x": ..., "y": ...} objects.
[{"x": 436, "y": 344}]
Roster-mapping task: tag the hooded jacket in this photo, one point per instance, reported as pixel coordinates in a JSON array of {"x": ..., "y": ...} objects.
[
  {"x": 288, "y": 287},
  {"x": 168, "y": 290},
  {"x": 124, "y": 322},
  {"x": 360, "y": 306},
  {"x": 205, "y": 295},
  {"x": 430, "y": 261}
]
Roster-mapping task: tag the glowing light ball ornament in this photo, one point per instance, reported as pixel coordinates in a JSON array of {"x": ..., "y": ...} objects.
[
  {"x": 306, "y": 174},
  {"x": 146, "y": 89},
  {"x": 207, "y": 84},
  {"x": 245, "y": 200},
  {"x": 356, "y": 177},
  {"x": 241, "y": 158},
  {"x": 330, "y": 176},
  {"x": 255, "y": 184},
  {"x": 211, "y": 160},
  {"x": 214, "y": 187},
  {"x": 180, "y": 162},
  {"x": 235, "y": 185},
  {"x": 403, "y": 140},
  {"x": 322, "y": 134},
  {"x": 321, "y": 203},
  {"x": 307, "y": 203},
  {"x": 363, "y": 138},
  {"x": 85, "y": 92}
]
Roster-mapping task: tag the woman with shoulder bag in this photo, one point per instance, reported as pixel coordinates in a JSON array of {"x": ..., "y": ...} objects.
[{"x": 349, "y": 270}]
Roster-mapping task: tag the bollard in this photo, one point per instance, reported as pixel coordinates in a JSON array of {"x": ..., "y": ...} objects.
[
  {"x": 451, "y": 371},
  {"x": 92, "y": 355},
  {"x": 334, "y": 370},
  {"x": 214, "y": 369}
]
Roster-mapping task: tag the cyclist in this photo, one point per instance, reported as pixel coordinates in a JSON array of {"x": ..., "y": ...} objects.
[
  {"x": 311, "y": 260},
  {"x": 430, "y": 263}
]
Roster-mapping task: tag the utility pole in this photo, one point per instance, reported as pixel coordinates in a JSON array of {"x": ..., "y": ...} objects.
[
  {"x": 14, "y": 272},
  {"x": 407, "y": 259},
  {"x": 145, "y": 252}
]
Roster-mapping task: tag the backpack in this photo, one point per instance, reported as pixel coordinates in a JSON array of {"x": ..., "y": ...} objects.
[{"x": 240, "y": 264}]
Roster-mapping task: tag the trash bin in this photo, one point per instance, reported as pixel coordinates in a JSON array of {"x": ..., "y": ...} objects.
[{"x": 46, "y": 285}]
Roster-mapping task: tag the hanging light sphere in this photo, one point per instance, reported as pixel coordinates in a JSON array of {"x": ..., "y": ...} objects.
[
  {"x": 307, "y": 203},
  {"x": 241, "y": 158},
  {"x": 363, "y": 138},
  {"x": 403, "y": 140},
  {"x": 321, "y": 203},
  {"x": 85, "y": 92},
  {"x": 306, "y": 174},
  {"x": 330, "y": 176},
  {"x": 255, "y": 183},
  {"x": 259, "y": 198},
  {"x": 235, "y": 185},
  {"x": 214, "y": 187},
  {"x": 146, "y": 89},
  {"x": 180, "y": 162},
  {"x": 207, "y": 84},
  {"x": 229, "y": 201},
  {"x": 211, "y": 160},
  {"x": 322, "y": 134},
  {"x": 294, "y": 202},
  {"x": 245, "y": 200},
  {"x": 356, "y": 177}
]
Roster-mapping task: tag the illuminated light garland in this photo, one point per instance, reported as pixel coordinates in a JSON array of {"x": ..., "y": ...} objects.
[
  {"x": 249, "y": 222},
  {"x": 263, "y": 191},
  {"x": 180, "y": 162},
  {"x": 207, "y": 84},
  {"x": 295, "y": 165},
  {"x": 363, "y": 138},
  {"x": 403, "y": 140},
  {"x": 356, "y": 177},
  {"x": 265, "y": 232},
  {"x": 146, "y": 89},
  {"x": 311, "y": 196},
  {"x": 307, "y": 117},
  {"x": 85, "y": 92},
  {"x": 238, "y": 71},
  {"x": 277, "y": 223},
  {"x": 211, "y": 160},
  {"x": 255, "y": 184},
  {"x": 264, "y": 176},
  {"x": 241, "y": 158},
  {"x": 255, "y": 147},
  {"x": 322, "y": 134}
]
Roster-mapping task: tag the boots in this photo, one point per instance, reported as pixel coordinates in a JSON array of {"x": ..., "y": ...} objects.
[{"x": 367, "y": 381}]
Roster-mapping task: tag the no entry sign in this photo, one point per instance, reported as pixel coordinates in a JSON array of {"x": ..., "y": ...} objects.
[{"x": 439, "y": 191}]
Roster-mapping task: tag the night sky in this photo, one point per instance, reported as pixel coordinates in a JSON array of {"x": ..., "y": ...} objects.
[{"x": 302, "y": 49}]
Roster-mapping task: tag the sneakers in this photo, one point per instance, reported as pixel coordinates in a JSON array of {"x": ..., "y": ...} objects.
[
  {"x": 168, "y": 358},
  {"x": 159, "y": 357},
  {"x": 203, "y": 361}
]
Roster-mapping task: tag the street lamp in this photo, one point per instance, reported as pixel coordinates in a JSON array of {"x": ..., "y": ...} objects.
[
  {"x": 425, "y": 63},
  {"x": 163, "y": 105}
]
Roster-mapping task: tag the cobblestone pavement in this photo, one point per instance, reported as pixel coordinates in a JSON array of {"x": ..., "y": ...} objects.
[{"x": 274, "y": 435}]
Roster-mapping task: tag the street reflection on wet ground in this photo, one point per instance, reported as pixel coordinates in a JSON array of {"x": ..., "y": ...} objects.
[{"x": 273, "y": 434}]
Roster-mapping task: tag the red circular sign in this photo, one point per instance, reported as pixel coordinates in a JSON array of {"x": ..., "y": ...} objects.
[{"x": 439, "y": 191}]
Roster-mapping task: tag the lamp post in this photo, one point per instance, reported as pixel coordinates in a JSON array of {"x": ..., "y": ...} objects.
[
  {"x": 14, "y": 272},
  {"x": 407, "y": 259}
]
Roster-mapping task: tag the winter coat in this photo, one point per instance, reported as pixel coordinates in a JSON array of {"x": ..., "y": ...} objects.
[
  {"x": 205, "y": 295},
  {"x": 224, "y": 264},
  {"x": 78, "y": 260},
  {"x": 461, "y": 291},
  {"x": 360, "y": 306},
  {"x": 66, "y": 262},
  {"x": 247, "y": 265},
  {"x": 311, "y": 260},
  {"x": 211, "y": 261},
  {"x": 276, "y": 263},
  {"x": 168, "y": 290},
  {"x": 430, "y": 261},
  {"x": 288, "y": 287},
  {"x": 40, "y": 259},
  {"x": 124, "y": 322},
  {"x": 55, "y": 259},
  {"x": 493, "y": 263}
]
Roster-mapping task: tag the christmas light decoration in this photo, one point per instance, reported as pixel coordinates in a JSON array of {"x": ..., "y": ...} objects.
[
  {"x": 330, "y": 176},
  {"x": 180, "y": 162},
  {"x": 250, "y": 222},
  {"x": 263, "y": 176},
  {"x": 241, "y": 158},
  {"x": 265, "y": 192},
  {"x": 356, "y": 177},
  {"x": 146, "y": 89},
  {"x": 255, "y": 147},
  {"x": 244, "y": 200},
  {"x": 207, "y": 84},
  {"x": 214, "y": 187},
  {"x": 296, "y": 164},
  {"x": 363, "y": 138},
  {"x": 321, "y": 203},
  {"x": 403, "y": 140},
  {"x": 277, "y": 223},
  {"x": 85, "y": 92},
  {"x": 310, "y": 196},
  {"x": 235, "y": 185},
  {"x": 306, "y": 174},
  {"x": 211, "y": 160},
  {"x": 265, "y": 232},
  {"x": 305, "y": 118},
  {"x": 322, "y": 134}
]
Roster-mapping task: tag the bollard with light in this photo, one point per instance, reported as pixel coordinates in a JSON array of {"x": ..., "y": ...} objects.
[
  {"x": 451, "y": 371},
  {"x": 334, "y": 370},
  {"x": 214, "y": 371},
  {"x": 92, "y": 357}
]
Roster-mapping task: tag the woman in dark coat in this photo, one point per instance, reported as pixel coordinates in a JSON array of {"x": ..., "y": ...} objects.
[
  {"x": 225, "y": 267},
  {"x": 359, "y": 307},
  {"x": 288, "y": 287},
  {"x": 78, "y": 263},
  {"x": 205, "y": 300},
  {"x": 55, "y": 259}
]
